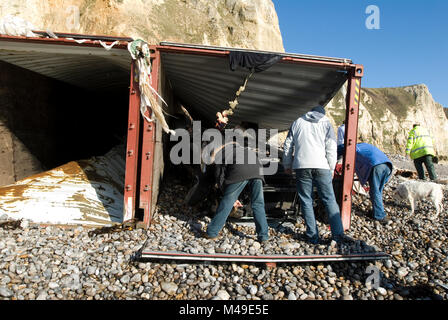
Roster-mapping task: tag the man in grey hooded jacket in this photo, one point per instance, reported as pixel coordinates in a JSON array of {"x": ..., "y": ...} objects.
[{"x": 310, "y": 149}]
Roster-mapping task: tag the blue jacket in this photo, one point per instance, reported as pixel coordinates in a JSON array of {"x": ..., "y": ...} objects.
[{"x": 367, "y": 156}]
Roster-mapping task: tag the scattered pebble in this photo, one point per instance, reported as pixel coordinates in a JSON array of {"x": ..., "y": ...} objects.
[{"x": 50, "y": 263}]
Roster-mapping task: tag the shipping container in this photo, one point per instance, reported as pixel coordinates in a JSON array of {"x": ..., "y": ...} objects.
[{"x": 76, "y": 96}]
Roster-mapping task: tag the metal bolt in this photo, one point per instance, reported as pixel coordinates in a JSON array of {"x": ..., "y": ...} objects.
[
  {"x": 130, "y": 153},
  {"x": 128, "y": 187}
]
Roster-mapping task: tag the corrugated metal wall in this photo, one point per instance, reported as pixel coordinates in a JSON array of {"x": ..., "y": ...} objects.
[{"x": 273, "y": 98}]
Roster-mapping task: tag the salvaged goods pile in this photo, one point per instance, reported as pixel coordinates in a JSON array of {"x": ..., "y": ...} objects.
[{"x": 87, "y": 192}]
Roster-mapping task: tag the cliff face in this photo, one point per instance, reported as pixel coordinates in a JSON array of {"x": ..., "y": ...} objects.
[
  {"x": 387, "y": 114},
  {"x": 237, "y": 23}
]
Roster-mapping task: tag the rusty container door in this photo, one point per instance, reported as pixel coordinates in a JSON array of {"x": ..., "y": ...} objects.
[{"x": 351, "y": 134}]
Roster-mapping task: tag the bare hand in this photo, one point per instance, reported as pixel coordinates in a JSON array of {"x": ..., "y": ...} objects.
[{"x": 237, "y": 204}]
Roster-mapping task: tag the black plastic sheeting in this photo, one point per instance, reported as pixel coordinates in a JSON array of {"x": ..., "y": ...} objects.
[{"x": 257, "y": 61}]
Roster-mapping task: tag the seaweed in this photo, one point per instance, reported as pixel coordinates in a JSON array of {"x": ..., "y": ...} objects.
[
  {"x": 126, "y": 226},
  {"x": 11, "y": 225}
]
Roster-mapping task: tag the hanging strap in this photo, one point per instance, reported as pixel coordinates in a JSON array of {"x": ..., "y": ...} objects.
[{"x": 139, "y": 51}]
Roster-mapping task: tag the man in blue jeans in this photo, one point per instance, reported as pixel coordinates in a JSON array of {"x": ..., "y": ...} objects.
[
  {"x": 237, "y": 175},
  {"x": 374, "y": 167},
  {"x": 310, "y": 149}
]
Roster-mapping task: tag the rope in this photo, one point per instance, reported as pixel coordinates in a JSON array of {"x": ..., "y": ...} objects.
[
  {"x": 235, "y": 102},
  {"x": 222, "y": 116},
  {"x": 108, "y": 47}
]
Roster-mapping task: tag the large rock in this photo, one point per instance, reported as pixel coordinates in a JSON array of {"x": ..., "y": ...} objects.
[
  {"x": 169, "y": 287},
  {"x": 386, "y": 116},
  {"x": 237, "y": 23}
]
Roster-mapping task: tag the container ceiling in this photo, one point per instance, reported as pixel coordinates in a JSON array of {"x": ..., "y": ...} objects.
[
  {"x": 273, "y": 98},
  {"x": 92, "y": 68}
]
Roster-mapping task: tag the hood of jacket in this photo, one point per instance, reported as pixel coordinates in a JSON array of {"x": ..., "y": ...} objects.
[{"x": 315, "y": 115}]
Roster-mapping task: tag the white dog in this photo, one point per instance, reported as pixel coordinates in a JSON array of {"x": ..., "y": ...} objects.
[{"x": 418, "y": 190}]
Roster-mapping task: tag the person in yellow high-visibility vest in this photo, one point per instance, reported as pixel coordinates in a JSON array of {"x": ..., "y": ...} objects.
[{"x": 420, "y": 147}]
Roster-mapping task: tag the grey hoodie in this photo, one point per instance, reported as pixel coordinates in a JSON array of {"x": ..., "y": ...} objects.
[{"x": 311, "y": 142}]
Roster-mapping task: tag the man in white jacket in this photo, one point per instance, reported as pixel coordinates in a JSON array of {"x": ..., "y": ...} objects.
[{"x": 310, "y": 149}]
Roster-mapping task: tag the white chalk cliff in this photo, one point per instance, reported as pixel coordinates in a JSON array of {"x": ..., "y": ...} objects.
[
  {"x": 236, "y": 23},
  {"x": 386, "y": 116}
]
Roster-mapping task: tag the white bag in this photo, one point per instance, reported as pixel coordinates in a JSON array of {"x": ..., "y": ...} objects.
[{"x": 15, "y": 26}]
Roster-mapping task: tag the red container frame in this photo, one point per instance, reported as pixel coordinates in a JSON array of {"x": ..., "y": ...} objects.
[{"x": 146, "y": 164}]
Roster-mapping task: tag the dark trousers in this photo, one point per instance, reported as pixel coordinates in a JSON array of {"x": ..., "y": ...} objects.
[{"x": 427, "y": 160}]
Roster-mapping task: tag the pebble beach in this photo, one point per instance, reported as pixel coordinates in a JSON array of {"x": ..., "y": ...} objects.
[{"x": 80, "y": 263}]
